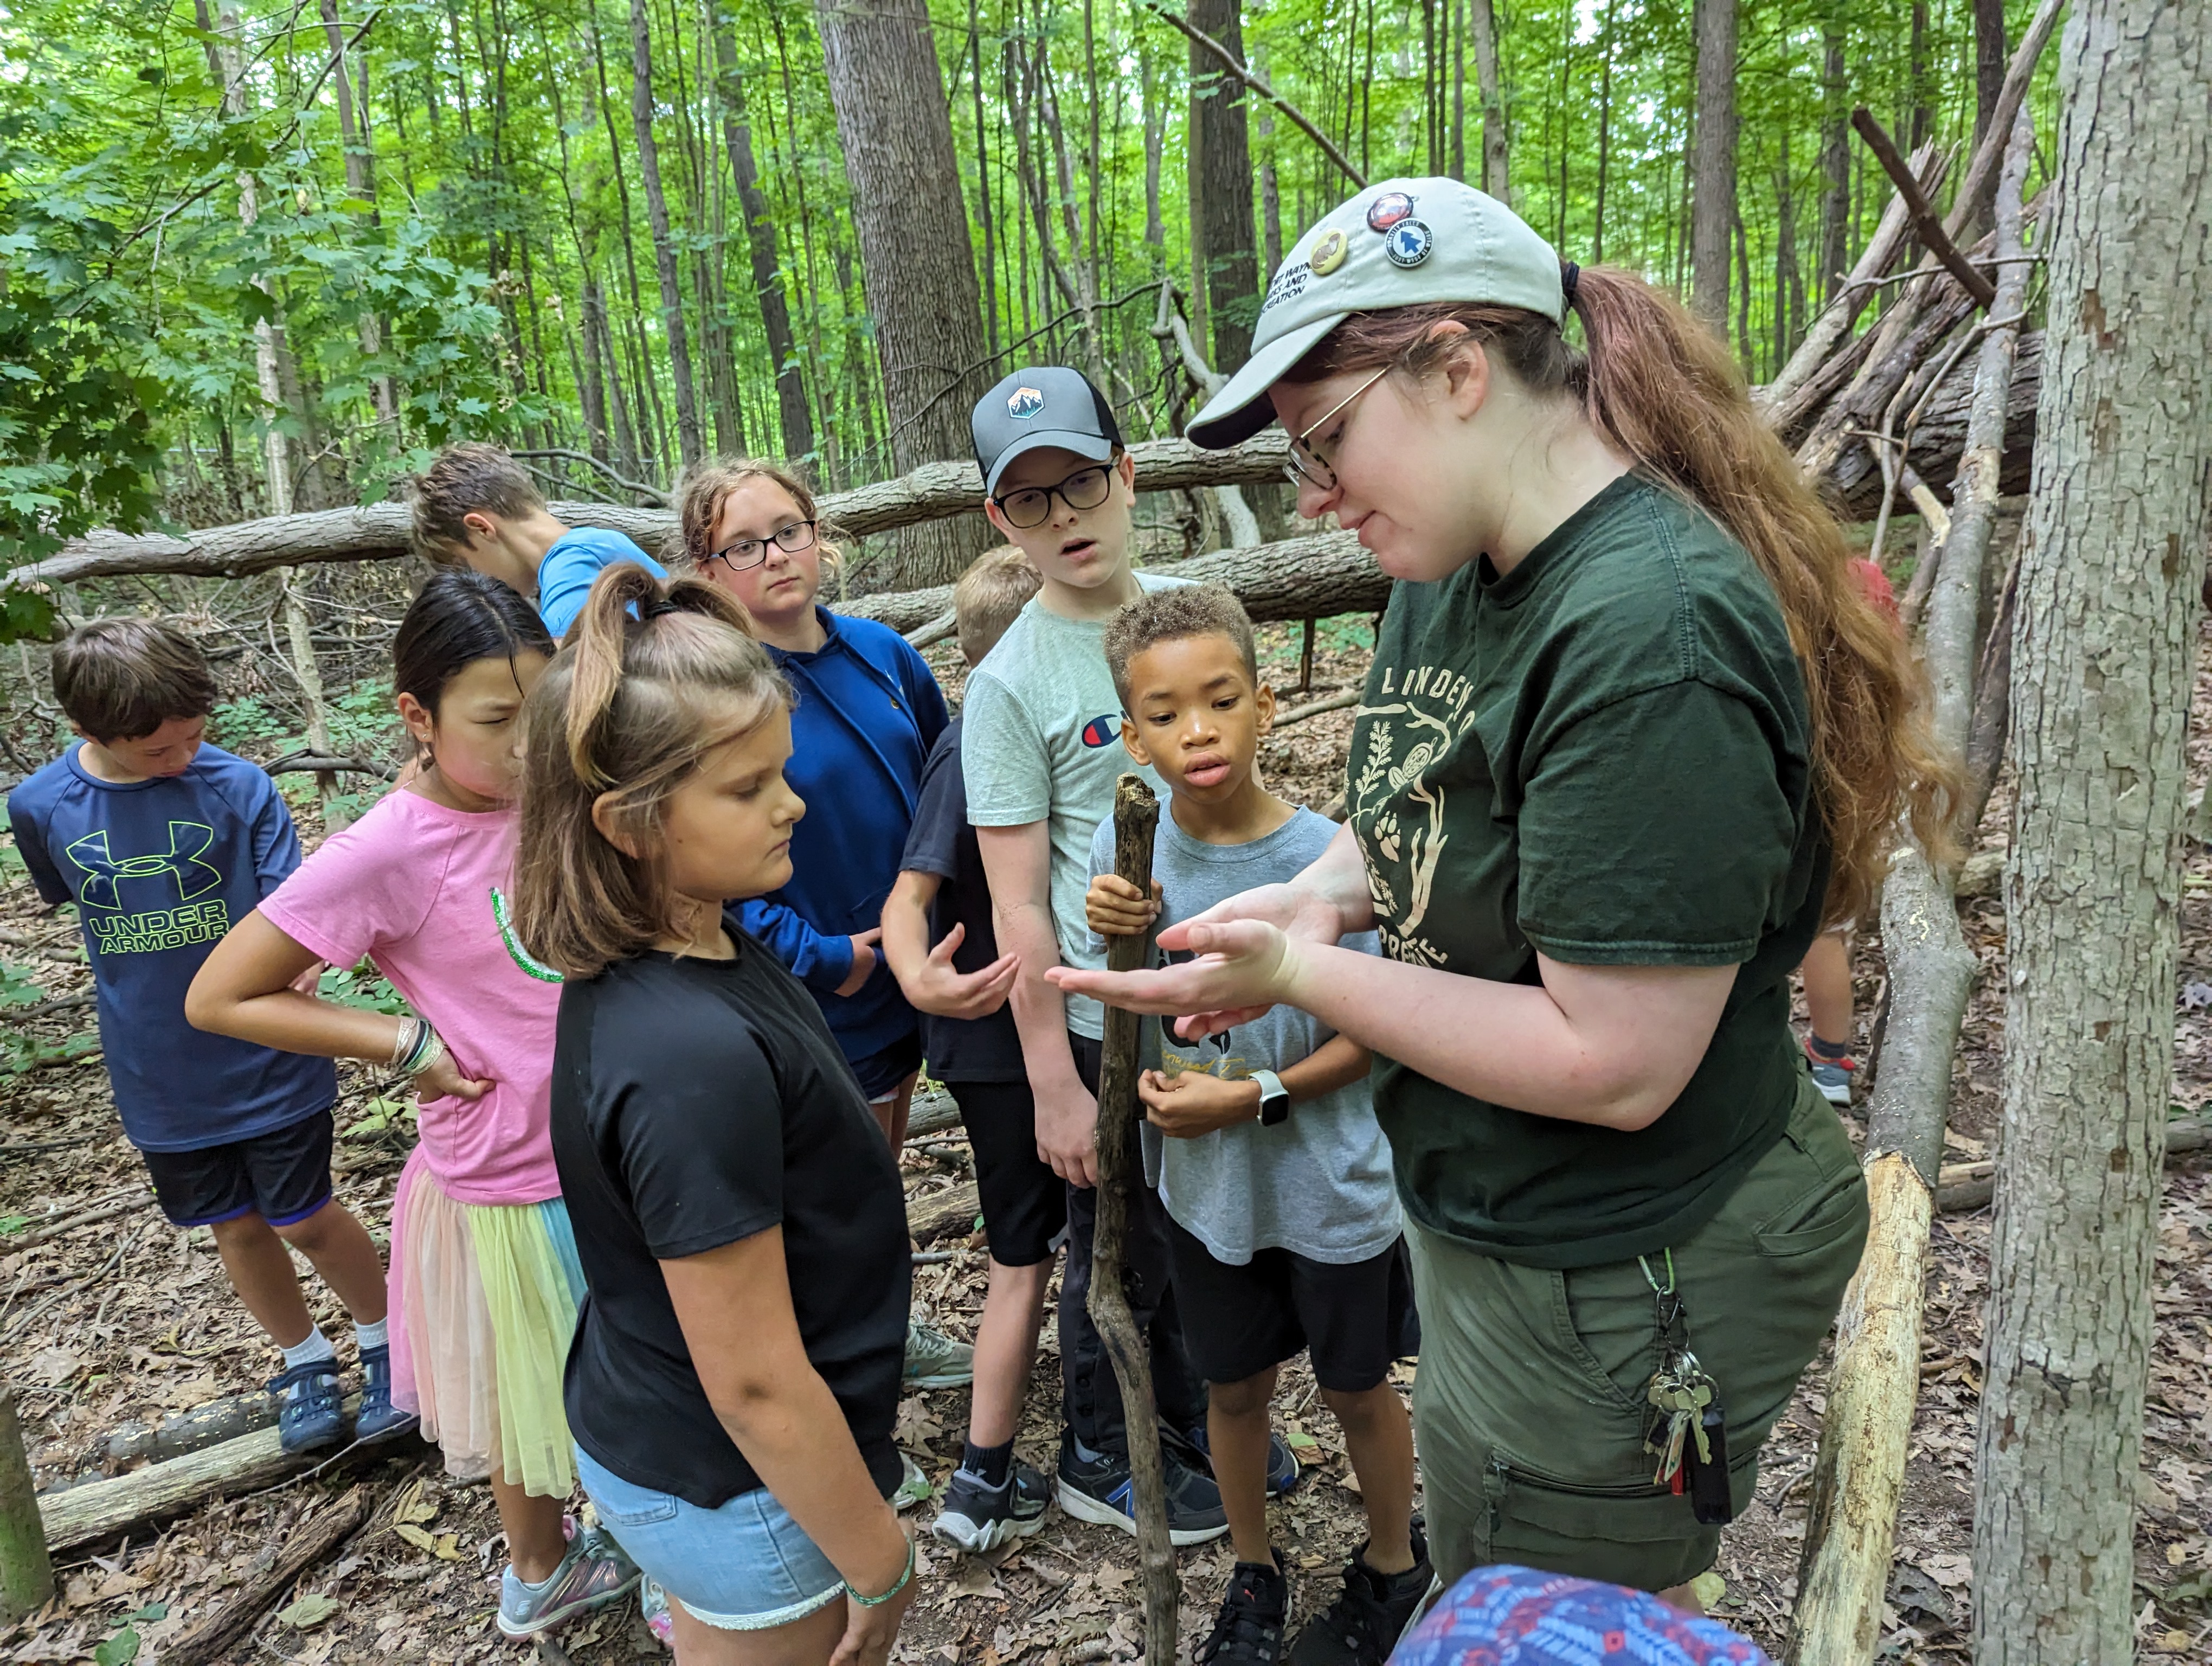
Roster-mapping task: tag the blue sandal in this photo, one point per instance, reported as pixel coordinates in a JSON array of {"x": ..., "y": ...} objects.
[{"x": 313, "y": 1418}]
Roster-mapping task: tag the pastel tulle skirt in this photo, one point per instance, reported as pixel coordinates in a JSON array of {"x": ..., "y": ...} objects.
[{"x": 483, "y": 1302}]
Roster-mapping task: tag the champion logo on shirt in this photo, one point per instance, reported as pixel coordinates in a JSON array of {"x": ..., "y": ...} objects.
[{"x": 1102, "y": 731}]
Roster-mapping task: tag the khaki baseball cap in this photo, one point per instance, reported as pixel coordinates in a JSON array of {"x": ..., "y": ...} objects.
[{"x": 1396, "y": 243}]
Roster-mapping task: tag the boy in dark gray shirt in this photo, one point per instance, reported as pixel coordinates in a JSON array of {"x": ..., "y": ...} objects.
[{"x": 1283, "y": 1221}]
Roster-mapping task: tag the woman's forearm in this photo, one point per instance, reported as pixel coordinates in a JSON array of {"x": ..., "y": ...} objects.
[{"x": 1610, "y": 1046}]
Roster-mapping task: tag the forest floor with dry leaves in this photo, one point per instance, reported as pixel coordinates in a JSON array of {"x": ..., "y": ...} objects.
[{"x": 108, "y": 1316}]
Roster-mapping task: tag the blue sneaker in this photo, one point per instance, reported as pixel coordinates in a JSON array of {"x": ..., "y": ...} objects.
[
  {"x": 308, "y": 1415},
  {"x": 1192, "y": 1446},
  {"x": 378, "y": 1418}
]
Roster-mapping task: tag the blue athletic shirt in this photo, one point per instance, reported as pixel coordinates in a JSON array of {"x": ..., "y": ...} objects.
[
  {"x": 159, "y": 870},
  {"x": 578, "y": 556}
]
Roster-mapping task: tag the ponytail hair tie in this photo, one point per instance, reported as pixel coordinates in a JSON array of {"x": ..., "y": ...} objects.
[{"x": 1569, "y": 277}]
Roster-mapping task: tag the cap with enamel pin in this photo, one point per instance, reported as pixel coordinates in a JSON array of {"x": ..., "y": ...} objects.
[{"x": 1397, "y": 243}]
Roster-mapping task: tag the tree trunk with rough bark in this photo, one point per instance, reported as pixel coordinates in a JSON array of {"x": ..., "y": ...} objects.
[
  {"x": 2104, "y": 652},
  {"x": 1712, "y": 160},
  {"x": 1223, "y": 181},
  {"x": 688, "y": 439},
  {"x": 1988, "y": 61},
  {"x": 915, "y": 257}
]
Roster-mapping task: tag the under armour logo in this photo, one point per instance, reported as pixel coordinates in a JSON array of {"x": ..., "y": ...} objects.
[{"x": 189, "y": 842}]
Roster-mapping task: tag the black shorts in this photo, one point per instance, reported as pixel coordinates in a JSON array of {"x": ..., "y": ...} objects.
[
  {"x": 1024, "y": 1202},
  {"x": 283, "y": 1176},
  {"x": 1357, "y": 1318}
]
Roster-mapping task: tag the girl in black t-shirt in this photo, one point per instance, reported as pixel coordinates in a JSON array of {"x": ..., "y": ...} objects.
[{"x": 739, "y": 1219}]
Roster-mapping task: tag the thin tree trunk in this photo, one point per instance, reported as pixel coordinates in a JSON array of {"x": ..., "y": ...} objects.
[
  {"x": 602, "y": 347},
  {"x": 361, "y": 185},
  {"x": 1156, "y": 130},
  {"x": 1604, "y": 130},
  {"x": 1712, "y": 166},
  {"x": 688, "y": 439},
  {"x": 641, "y": 374},
  {"x": 1988, "y": 61},
  {"x": 1483, "y": 21},
  {"x": 2102, "y": 668},
  {"x": 795, "y": 420},
  {"x": 1835, "y": 164},
  {"x": 1923, "y": 118},
  {"x": 1223, "y": 182},
  {"x": 984, "y": 205},
  {"x": 1459, "y": 91},
  {"x": 920, "y": 265}
]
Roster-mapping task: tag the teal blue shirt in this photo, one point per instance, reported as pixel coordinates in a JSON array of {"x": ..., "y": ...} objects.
[{"x": 578, "y": 556}]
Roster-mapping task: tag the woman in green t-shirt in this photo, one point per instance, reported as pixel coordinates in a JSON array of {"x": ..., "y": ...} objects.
[{"x": 1632, "y": 736}]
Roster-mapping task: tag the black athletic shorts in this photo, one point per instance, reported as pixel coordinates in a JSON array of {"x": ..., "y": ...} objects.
[
  {"x": 1356, "y": 1318},
  {"x": 283, "y": 1176},
  {"x": 1024, "y": 1202},
  {"x": 883, "y": 1073}
]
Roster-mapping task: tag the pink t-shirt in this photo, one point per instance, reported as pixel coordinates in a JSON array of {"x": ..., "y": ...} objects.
[{"x": 411, "y": 886}]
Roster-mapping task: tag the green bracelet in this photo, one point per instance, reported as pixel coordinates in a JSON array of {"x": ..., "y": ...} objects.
[{"x": 904, "y": 1580}]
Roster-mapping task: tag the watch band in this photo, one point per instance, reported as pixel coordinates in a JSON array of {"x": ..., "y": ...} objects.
[{"x": 1275, "y": 1099}]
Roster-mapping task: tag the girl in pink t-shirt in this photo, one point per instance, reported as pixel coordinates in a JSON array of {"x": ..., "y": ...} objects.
[{"x": 484, "y": 1278}]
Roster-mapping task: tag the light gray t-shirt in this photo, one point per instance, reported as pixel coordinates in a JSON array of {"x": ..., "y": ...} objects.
[
  {"x": 1041, "y": 741},
  {"x": 1318, "y": 1184}
]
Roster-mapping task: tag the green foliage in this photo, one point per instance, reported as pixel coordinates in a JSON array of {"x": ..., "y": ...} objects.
[
  {"x": 17, "y": 986},
  {"x": 361, "y": 986}
]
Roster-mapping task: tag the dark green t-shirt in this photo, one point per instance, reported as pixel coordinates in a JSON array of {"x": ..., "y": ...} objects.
[{"x": 1603, "y": 756}]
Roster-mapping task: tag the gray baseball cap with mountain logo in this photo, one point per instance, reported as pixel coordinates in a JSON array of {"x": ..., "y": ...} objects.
[
  {"x": 1399, "y": 243},
  {"x": 1041, "y": 405}
]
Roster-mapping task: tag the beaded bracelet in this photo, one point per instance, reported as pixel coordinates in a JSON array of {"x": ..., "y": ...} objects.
[{"x": 904, "y": 1579}]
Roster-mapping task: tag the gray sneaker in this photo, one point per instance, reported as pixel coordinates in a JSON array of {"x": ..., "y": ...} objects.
[
  {"x": 594, "y": 1572},
  {"x": 934, "y": 1360}
]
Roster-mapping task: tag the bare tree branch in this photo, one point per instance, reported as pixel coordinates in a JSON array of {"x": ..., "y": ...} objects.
[{"x": 1258, "y": 84}]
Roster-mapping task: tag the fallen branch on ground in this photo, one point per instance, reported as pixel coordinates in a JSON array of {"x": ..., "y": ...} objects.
[
  {"x": 1964, "y": 1186},
  {"x": 302, "y": 1550}
]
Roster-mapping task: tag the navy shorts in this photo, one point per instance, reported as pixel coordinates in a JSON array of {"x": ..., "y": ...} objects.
[
  {"x": 283, "y": 1176},
  {"x": 1357, "y": 1318},
  {"x": 883, "y": 1073}
]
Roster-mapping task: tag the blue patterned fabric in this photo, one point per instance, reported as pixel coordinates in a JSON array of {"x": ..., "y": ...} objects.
[{"x": 1516, "y": 1616}]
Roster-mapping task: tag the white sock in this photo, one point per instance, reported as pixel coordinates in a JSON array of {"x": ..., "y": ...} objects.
[
  {"x": 314, "y": 1347},
  {"x": 371, "y": 1336}
]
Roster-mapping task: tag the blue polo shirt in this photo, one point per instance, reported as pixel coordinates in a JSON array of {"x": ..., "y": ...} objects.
[
  {"x": 159, "y": 870},
  {"x": 578, "y": 556}
]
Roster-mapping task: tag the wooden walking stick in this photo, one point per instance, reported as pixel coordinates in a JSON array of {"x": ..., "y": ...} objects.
[
  {"x": 1136, "y": 816},
  {"x": 27, "y": 1572}
]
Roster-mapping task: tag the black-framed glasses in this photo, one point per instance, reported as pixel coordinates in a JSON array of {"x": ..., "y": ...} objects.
[
  {"x": 752, "y": 551},
  {"x": 1307, "y": 467},
  {"x": 1086, "y": 489}
]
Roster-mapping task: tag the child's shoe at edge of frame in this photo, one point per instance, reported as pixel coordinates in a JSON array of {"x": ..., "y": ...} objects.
[
  {"x": 378, "y": 1419},
  {"x": 1255, "y": 1613},
  {"x": 1362, "y": 1626},
  {"x": 309, "y": 1414}
]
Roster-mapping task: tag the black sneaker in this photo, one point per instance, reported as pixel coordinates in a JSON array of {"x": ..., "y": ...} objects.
[
  {"x": 1363, "y": 1624},
  {"x": 1099, "y": 1490},
  {"x": 1195, "y": 1448},
  {"x": 978, "y": 1517},
  {"x": 1253, "y": 1616}
]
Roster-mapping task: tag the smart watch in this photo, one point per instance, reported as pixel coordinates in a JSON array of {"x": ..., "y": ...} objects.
[{"x": 1275, "y": 1099}]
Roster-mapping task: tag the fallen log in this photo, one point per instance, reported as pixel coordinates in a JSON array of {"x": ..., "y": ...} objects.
[
  {"x": 1964, "y": 1186},
  {"x": 940, "y": 1214},
  {"x": 102, "y": 1509},
  {"x": 213, "y": 1636},
  {"x": 380, "y": 531}
]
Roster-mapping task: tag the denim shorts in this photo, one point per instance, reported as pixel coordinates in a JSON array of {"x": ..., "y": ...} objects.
[{"x": 744, "y": 1566}]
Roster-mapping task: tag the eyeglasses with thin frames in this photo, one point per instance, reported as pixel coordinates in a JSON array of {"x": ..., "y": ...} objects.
[
  {"x": 1306, "y": 466},
  {"x": 752, "y": 551}
]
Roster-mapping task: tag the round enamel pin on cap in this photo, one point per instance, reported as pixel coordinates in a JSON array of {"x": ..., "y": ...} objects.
[
  {"x": 1408, "y": 242},
  {"x": 1329, "y": 252},
  {"x": 1388, "y": 210}
]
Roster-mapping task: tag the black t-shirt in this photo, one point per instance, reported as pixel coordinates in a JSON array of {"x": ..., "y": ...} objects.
[
  {"x": 696, "y": 1103},
  {"x": 942, "y": 842}
]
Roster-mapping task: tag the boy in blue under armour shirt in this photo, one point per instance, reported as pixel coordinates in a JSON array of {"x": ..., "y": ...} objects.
[
  {"x": 475, "y": 506},
  {"x": 163, "y": 843}
]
